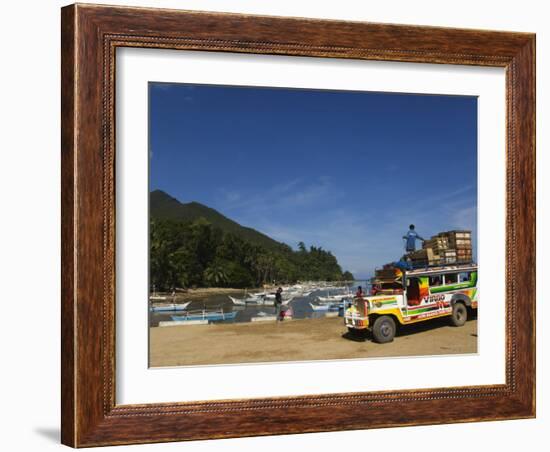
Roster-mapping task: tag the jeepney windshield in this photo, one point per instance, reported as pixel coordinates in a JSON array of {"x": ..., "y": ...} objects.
[
  {"x": 360, "y": 304},
  {"x": 387, "y": 288}
]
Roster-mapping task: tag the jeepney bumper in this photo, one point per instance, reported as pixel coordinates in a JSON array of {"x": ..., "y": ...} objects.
[{"x": 355, "y": 321}]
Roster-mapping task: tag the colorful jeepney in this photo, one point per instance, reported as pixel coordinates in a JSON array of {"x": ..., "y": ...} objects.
[{"x": 402, "y": 297}]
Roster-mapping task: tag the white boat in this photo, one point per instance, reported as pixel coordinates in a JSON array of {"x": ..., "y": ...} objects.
[
  {"x": 271, "y": 302},
  {"x": 171, "y": 307},
  {"x": 182, "y": 323},
  {"x": 333, "y": 298},
  {"x": 268, "y": 318},
  {"x": 236, "y": 301},
  {"x": 245, "y": 301},
  {"x": 253, "y": 298},
  {"x": 210, "y": 315},
  {"x": 325, "y": 307},
  {"x": 157, "y": 298},
  {"x": 319, "y": 307}
]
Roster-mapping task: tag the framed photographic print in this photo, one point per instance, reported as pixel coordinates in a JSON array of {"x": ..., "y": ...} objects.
[{"x": 280, "y": 225}]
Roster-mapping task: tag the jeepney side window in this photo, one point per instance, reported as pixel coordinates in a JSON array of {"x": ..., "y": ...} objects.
[
  {"x": 464, "y": 277},
  {"x": 451, "y": 278},
  {"x": 413, "y": 291},
  {"x": 435, "y": 280}
]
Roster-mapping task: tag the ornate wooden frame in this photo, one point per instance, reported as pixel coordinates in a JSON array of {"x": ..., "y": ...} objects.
[{"x": 90, "y": 35}]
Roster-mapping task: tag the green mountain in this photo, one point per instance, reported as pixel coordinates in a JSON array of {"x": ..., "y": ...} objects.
[{"x": 164, "y": 207}]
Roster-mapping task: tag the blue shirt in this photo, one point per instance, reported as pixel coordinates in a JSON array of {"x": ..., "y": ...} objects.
[{"x": 411, "y": 238}]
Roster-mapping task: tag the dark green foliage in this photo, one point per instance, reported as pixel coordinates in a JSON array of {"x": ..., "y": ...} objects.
[
  {"x": 188, "y": 249},
  {"x": 347, "y": 276},
  {"x": 164, "y": 207}
]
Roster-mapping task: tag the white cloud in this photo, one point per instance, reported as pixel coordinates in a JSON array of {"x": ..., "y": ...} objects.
[
  {"x": 231, "y": 196},
  {"x": 279, "y": 198},
  {"x": 362, "y": 237}
]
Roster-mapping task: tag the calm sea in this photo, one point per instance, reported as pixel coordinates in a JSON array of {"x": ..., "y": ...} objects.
[{"x": 301, "y": 308}]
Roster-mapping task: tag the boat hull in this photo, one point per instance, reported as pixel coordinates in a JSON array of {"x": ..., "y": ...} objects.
[
  {"x": 171, "y": 307},
  {"x": 210, "y": 316}
]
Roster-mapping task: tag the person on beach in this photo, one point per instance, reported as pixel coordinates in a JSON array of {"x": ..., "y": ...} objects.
[
  {"x": 279, "y": 304},
  {"x": 359, "y": 293},
  {"x": 411, "y": 237}
]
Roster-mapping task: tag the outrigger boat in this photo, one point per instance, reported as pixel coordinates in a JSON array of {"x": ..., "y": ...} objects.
[
  {"x": 319, "y": 307},
  {"x": 238, "y": 302},
  {"x": 272, "y": 302},
  {"x": 205, "y": 315},
  {"x": 325, "y": 307},
  {"x": 335, "y": 298},
  {"x": 257, "y": 301},
  {"x": 171, "y": 307},
  {"x": 252, "y": 299}
]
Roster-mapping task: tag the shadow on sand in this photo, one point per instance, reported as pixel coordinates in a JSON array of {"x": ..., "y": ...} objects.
[{"x": 405, "y": 330}]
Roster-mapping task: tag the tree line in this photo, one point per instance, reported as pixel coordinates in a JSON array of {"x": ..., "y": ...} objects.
[{"x": 198, "y": 254}]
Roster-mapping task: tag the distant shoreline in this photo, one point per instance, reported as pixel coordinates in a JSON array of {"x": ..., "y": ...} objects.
[
  {"x": 196, "y": 294},
  {"x": 202, "y": 294}
]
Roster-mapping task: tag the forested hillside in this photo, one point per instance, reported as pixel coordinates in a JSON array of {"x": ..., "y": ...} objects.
[{"x": 194, "y": 245}]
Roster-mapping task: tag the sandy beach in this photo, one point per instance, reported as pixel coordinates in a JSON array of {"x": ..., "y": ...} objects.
[{"x": 299, "y": 340}]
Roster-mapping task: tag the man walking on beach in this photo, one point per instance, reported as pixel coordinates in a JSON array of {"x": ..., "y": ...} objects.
[
  {"x": 279, "y": 304},
  {"x": 411, "y": 237}
]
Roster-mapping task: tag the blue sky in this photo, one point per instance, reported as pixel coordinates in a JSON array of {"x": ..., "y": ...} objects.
[{"x": 348, "y": 171}]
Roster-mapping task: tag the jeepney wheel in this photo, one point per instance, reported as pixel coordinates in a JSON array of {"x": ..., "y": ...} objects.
[
  {"x": 383, "y": 329},
  {"x": 459, "y": 315}
]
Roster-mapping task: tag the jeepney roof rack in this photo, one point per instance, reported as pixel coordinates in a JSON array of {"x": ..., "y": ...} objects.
[
  {"x": 441, "y": 267},
  {"x": 418, "y": 267},
  {"x": 441, "y": 263},
  {"x": 404, "y": 266}
]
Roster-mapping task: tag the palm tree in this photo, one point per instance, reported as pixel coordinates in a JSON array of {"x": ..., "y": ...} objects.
[{"x": 215, "y": 274}]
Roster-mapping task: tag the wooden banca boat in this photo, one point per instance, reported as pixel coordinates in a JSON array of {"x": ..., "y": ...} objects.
[
  {"x": 257, "y": 301},
  {"x": 210, "y": 315},
  {"x": 325, "y": 307},
  {"x": 250, "y": 299},
  {"x": 335, "y": 298},
  {"x": 170, "y": 307}
]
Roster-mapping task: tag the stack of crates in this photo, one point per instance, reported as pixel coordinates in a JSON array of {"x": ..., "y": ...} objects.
[
  {"x": 445, "y": 248},
  {"x": 425, "y": 256},
  {"x": 448, "y": 256},
  {"x": 461, "y": 241},
  {"x": 437, "y": 243}
]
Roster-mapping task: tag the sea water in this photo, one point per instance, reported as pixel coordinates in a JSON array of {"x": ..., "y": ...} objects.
[{"x": 300, "y": 306}]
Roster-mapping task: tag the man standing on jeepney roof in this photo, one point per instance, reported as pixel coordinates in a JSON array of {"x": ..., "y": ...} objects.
[{"x": 411, "y": 237}]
